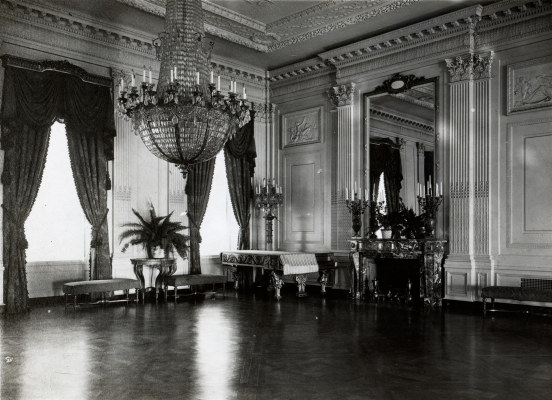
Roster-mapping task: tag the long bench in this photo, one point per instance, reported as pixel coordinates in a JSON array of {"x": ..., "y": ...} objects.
[
  {"x": 514, "y": 293},
  {"x": 193, "y": 280},
  {"x": 100, "y": 286}
]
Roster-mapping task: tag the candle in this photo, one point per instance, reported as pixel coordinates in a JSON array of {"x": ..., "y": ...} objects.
[
  {"x": 197, "y": 77},
  {"x": 175, "y": 72},
  {"x": 150, "y": 76},
  {"x": 436, "y": 189},
  {"x": 172, "y": 76},
  {"x": 212, "y": 80},
  {"x": 274, "y": 182},
  {"x": 346, "y": 194},
  {"x": 355, "y": 188},
  {"x": 365, "y": 194},
  {"x": 144, "y": 74},
  {"x": 244, "y": 95},
  {"x": 235, "y": 89},
  {"x": 132, "y": 80},
  {"x": 264, "y": 182},
  {"x": 218, "y": 83},
  {"x": 122, "y": 84}
]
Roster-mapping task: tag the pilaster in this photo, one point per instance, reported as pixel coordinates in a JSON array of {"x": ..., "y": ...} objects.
[
  {"x": 1, "y": 187},
  {"x": 469, "y": 129},
  {"x": 342, "y": 98}
]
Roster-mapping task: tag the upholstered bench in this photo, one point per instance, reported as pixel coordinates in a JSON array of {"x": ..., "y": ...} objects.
[
  {"x": 100, "y": 286},
  {"x": 514, "y": 293},
  {"x": 193, "y": 280}
]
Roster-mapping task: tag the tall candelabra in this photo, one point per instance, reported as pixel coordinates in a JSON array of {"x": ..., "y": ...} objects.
[
  {"x": 356, "y": 207},
  {"x": 268, "y": 197},
  {"x": 429, "y": 205}
]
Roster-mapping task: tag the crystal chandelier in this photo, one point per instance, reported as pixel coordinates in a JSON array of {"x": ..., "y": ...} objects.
[{"x": 187, "y": 120}]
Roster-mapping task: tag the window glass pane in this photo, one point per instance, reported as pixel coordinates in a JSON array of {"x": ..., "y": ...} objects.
[
  {"x": 219, "y": 230},
  {"x": 57, "y": 229}
]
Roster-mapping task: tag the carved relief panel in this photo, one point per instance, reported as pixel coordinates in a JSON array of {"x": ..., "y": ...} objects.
[{"x": 302, "y": 127}]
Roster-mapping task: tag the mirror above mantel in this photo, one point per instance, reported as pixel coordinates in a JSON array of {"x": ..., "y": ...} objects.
[{"x": 400, "y": 117}]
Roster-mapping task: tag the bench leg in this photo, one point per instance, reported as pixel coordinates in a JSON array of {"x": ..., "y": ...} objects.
[
  {"x": 484, "y": 307},
  {"x": 137, "y": 293},
  {"x": 126, "y": 294}
]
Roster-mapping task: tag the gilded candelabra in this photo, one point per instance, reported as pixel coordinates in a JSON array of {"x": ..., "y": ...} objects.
[
  {"x": 356, "y": 207},
  {"x": 268, "y": 197},
  {"x": 429, "y": 205}
]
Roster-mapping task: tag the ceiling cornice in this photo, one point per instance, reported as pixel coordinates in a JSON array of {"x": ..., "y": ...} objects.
[
  {"x": 317, "y": 20},
  {"x": 376, "y": 9},
  {"x": 438, "y": 28},
  {"x": 386, "y": 114}
]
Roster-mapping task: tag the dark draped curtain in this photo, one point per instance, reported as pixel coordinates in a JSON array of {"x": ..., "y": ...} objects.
[
  {"x": 239, "y": 155},
  {"x": 198, "y": 188},
  {"x": 31, "y": 102},
  {"x": 87, "y": 121},
  {"x": 385, "y": 157}
]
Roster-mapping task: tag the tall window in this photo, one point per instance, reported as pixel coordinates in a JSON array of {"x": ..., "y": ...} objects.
[
  {"x": 57, "y": 229},
  {"x": 219, "y": 230}
]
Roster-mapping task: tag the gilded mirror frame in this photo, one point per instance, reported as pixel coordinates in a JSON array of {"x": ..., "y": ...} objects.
[{"x": 399, "y": 83}]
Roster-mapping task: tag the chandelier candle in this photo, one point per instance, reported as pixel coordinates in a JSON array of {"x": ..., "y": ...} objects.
[{"x": 185, "y": 121}]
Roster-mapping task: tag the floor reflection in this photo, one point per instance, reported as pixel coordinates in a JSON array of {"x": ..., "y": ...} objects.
[{"x": 215, "y": 353}]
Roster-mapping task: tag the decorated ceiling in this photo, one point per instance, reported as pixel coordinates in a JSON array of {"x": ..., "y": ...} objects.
[{"x": 289, "y": 31}]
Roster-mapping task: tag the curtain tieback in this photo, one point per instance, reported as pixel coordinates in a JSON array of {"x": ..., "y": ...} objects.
[
  {"x": 18, "y": 227},
  {"x": 97, "y": 240},
  {"x": 194, "y": 230}
]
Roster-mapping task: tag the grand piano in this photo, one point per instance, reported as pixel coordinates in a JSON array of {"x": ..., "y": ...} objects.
[{"x": 275, "y": 265}]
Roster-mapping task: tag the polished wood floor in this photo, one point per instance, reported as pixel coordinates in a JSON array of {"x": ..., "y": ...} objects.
[{"x": 251, "y": 347}]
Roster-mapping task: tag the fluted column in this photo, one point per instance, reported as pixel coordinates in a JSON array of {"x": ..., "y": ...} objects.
[
  {"x": 1, "y": 188},
  {"x": 469, "y": 129},
  {"x": 342, "y": 97}
]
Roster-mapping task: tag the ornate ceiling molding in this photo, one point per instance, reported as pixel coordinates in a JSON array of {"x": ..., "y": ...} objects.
[
  {"x": 26, "y": 20},
  {"x": 336, "y": 17},
  {"x": 77, "y": 26},
  {"x": 499, "y": 22},
  {"x": 384, "y": 114},
  {"x": 319, "y": 19},
  {"x": 412, "y": 97}
]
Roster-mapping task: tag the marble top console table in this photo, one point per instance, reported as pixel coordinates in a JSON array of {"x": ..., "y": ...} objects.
[{"x": 428, "y": 253}]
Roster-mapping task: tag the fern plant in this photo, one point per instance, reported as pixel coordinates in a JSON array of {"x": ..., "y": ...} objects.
[{"x": 159, "y": 232}]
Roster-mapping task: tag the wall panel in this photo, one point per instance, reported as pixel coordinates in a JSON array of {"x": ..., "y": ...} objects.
[
  {"x": 529, "y": 184},
  {"x": 303, "y": 203}
]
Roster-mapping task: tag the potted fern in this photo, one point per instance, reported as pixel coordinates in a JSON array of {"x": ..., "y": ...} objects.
[
  {"x": 159, "y": 232},
  {"x": 153, "y": 233}
]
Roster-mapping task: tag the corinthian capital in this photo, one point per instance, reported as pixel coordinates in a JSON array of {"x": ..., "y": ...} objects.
[
  {"x": 471, "y": 66},
  {"x": 341, "y": 95},
  {"x": 482, "y": 65},
  {"x": 460, "y": 68}
]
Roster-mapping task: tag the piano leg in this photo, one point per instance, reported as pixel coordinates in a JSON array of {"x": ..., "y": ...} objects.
[
  {"x": 277, "y": 284},
  {"x": 301, "y": 283}
]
